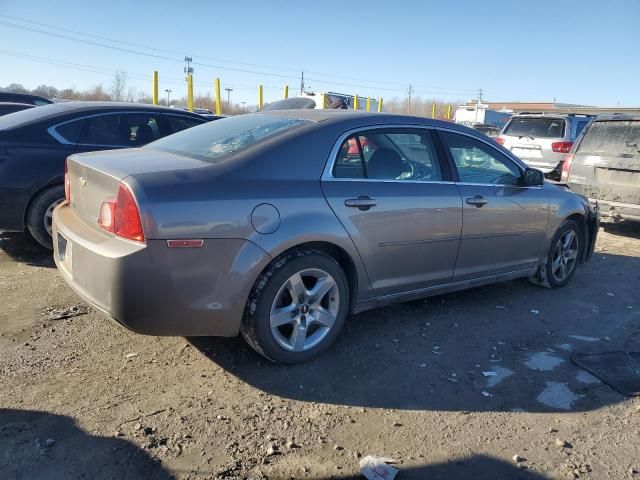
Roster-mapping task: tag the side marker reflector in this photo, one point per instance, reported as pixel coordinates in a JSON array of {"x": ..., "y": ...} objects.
[{"x": 185, "y": 243}]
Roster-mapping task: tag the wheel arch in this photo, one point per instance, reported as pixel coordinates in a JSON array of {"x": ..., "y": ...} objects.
[{"x": 57, "y": 182}]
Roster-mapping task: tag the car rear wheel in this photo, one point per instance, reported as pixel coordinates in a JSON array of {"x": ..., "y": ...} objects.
[
  {"x": 563, "y": 256},
  {"x": 297, "y": 307},
  {"x": 40, "y": 214}
]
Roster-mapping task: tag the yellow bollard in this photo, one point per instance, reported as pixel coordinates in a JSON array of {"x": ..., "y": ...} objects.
[
  {"x": 433, "y": 111},
  {"x": 260, "y": 97},
  {"x": 190, "y": 92},
  {"x": 368, "y": 104},
  {"x": 285, "y": 94},
  {"x": 380, "y": 104},
  {"x": 448, "y": 112},
  {"x": 155, "y": 87},
  {"x": 355, "y": 103},
  {"x": 218, "y": 100}
]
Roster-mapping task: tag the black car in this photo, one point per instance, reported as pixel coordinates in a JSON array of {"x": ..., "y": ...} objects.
[
  {"x": 24, "y": 98},
  {"x": 11, "y": 107},
  {"x": 34, "y": 144}
]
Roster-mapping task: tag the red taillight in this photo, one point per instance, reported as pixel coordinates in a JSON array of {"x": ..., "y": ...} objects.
[
  {"x": 121, "y": 216},
  {"x": 499, "y": 140},
  {"x": 566, "y": 167},
  {"x": 561, "y": 147},
  {"x": 67, "y": 185}
]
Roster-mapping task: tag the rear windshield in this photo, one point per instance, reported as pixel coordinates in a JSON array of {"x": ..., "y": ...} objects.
[
  {"x": 225, "y": 136},
  {"x": 615, "y": 138},
  {"x": 536, "y": 127}
]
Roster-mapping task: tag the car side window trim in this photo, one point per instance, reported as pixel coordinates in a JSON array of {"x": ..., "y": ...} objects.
[
  {"x": 452, "y": 164},
  {"x": 327, "y": 174},
  {"x": 58, "y": 137}
]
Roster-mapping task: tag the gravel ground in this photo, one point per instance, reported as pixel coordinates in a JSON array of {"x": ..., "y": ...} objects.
[{"x": 81, "y": 397}]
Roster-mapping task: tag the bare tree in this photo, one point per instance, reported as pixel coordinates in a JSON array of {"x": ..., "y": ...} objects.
[{"x": 119, "y": 86}]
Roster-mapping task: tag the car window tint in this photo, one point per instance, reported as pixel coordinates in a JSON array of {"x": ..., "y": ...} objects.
[
  {"x": 477, "y": 162},
  {"x": 177, "y": 124},
  {"x": 120, "y": 130},
  {"x": 580, "y": 126},
  {"x": 536, "y": 127},
  {"x": 389, "y": 155},
  {"x": 70, "y": 132}
]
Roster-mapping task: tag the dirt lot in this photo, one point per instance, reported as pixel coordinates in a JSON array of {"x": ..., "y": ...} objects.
[{"x": 83, "y": 398}]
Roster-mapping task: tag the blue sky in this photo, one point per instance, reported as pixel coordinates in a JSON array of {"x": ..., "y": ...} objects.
[{"x": 574, "y": 51}]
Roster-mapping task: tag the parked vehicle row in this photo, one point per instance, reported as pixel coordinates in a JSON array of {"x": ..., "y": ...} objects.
[
  {"x": 279, "y": 224},
  {"x": 34, "y": 144},
  {"x": 543, "y": 140}
]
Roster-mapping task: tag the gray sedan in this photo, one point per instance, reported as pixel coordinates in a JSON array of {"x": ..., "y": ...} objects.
[{"x": 280, "y": 224}]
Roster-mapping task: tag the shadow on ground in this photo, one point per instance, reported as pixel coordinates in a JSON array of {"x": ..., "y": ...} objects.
[
  {"x": 478, "y": 467},
  {"x": 21, "y": 248},
  {"x": 74, "y": 454},
  {"x": 622, "y": 228},
  {"x": 431, "y": 354}
]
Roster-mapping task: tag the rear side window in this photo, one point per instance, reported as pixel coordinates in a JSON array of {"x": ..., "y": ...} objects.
[
  {"x": 613, "y": 138},
  {"x": 120, "y": 130},
  {"x": 389, "y": 155},
  {"x": 536, "y": 127},
  {"x": 177, "y": 124},
  {"x": 69, "y": 132},
  {"x": 223, "y": 137}
]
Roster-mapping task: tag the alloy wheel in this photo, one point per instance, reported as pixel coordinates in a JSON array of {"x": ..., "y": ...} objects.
[
  {"x": 304, "y": 310},
  {"x": 565, "y": 256},
  {"x": 48, "y": 216}
]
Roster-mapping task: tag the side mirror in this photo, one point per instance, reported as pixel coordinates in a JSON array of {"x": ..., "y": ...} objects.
[{"x": 533, "y": 177}]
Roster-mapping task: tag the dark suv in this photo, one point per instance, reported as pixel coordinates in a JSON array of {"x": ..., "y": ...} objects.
[
  {"x": 34, "y": 144},
  {"x": 604, "y": 165}
]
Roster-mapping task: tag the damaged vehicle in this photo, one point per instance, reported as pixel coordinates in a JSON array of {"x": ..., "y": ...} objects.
[
  {"x": 273, "y": 226},
  {"x": 604, "y": 165}
]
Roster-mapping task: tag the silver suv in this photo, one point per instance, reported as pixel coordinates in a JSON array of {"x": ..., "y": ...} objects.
[
  {"x": 542, "y": 140},
  {"x": 604, "y": 165}
]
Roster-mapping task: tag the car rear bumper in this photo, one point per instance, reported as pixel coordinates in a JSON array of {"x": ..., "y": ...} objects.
[
  {"x": 155, "y": 290},
  {"x": 618, "y": 210}
]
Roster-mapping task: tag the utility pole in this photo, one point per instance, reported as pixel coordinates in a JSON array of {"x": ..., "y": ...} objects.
[
  {"x": 168, "y": 90},
  {"x": 409, "y": 100},
  {"x": 229, "y": 90},
  {"x": 188, "y": 69},
  {"x": 480, "y": 96},
  {"x": 302, "y": 82},
  {"x": 243, "y": 106},
  {"x": 478, "y": 102}
]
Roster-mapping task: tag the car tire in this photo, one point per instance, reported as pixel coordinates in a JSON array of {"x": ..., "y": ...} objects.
[
  {"x": 563, "y": 257},
  {"x": 39, "y": 214},
  {"x": 287, "y": 330}
]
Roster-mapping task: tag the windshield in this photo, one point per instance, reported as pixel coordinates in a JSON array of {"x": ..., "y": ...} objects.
[
  {"x": 226, "y": 136},
  {"x": 615, "y": 138},
  {"x": 536, "y": 127}
]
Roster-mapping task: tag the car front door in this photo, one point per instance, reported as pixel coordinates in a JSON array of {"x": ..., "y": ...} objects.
[
  {"x": 504, "y": 222},
  {"x": 392, "y": 190}
]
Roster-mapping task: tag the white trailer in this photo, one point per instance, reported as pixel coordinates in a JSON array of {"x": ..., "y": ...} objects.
[{"x": 480, "y": 114}]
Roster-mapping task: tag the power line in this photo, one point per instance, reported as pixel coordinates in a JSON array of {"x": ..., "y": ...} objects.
[{"x": 431, "y": 90}]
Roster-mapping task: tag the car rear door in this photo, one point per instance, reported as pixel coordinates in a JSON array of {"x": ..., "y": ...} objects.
[
  {"x": 393, "y": 192},
  {"x": 606, "y": 162},
  {"x": 504, "y": 222}
]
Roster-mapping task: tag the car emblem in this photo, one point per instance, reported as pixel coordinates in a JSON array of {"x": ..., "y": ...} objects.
[{"x": 83, "y": 182}]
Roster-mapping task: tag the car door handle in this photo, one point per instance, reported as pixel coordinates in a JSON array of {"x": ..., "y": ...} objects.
[
  {"x": 477, "y": 201},
  {"x": 362, "y": 202}
]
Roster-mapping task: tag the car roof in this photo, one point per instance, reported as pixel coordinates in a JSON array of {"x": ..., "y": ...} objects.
[
  {"x": 618, "y": 116},
  {"x": 360, "y": 117},
  {"x": 17, "y": 104},
  {"x": 54, "y": 110},
  {"x": 23, "y": 97}
]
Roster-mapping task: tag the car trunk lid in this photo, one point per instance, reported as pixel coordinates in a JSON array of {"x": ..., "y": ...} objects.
[
  {"x": 96, "y": 176},
  {"x": 606, "y": 163}
]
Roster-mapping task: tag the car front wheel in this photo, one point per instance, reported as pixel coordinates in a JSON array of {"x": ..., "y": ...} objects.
[
  {"x": 564, "y": 255},
  {"x": 40, "y": 215},
  {"x": 297, "y": 307}
]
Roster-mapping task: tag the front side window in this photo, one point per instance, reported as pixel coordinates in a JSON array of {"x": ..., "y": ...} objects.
[
  {"x": 389, "y": 155},
  {"x": 226, "y": 136},
  {"x": 477, "y": 162},
  {"x": 179, "y": 123}
]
